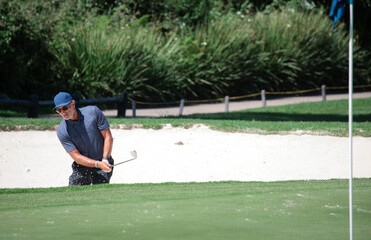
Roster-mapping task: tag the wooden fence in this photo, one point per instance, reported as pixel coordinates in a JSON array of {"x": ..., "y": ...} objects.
[{"x": 33, "y": 103}]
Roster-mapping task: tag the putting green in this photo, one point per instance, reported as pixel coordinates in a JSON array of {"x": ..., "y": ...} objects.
[{"x": 216, "y": 210}]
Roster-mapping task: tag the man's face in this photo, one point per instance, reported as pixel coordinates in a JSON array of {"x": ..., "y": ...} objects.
[{"x": 67, "y": 111}]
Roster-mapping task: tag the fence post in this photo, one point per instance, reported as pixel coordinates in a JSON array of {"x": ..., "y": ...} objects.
[
  {"x": 264, "y": 101},
  {"x": 181, "y": 107},
  {"x": 77, "y": 98},
  {"x": 226, "y": 103},
  {"x": 134, "y": 108},
  {"x": 121, "y": 105},
  {"x": 323, "y": 92},
  {"x": 33, "y": 108}
]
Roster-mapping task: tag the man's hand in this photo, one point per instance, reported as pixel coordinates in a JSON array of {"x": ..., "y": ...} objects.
[{"x": 105, "y": 166}]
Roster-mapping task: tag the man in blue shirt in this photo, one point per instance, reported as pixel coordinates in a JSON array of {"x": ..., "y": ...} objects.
[{"x": 86, "y": 136}]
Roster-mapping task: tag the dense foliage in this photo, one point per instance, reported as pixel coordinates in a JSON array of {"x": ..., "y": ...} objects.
[{"x": 166, "y": 50}]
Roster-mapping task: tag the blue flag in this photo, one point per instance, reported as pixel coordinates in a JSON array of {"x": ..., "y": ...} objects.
[{"x": 337, "y": 10}]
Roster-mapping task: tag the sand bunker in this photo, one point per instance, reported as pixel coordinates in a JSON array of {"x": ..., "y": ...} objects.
[{"x": 32, "y": 159}]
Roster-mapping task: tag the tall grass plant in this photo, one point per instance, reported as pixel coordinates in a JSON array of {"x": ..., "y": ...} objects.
[
  {"x": 234, "y": 55},
  {"x": 104, "y": 63}
]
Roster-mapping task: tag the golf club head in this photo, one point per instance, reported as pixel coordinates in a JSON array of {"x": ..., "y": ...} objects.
[{"x": 134, "y": 154}]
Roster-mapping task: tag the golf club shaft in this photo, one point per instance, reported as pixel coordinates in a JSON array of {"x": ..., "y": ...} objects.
[{"x": 122, "y": 162}]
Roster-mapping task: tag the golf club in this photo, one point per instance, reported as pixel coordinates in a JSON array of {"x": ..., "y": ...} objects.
[{"x": 133, "y": 154}]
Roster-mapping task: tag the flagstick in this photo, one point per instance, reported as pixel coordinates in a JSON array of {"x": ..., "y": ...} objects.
[{"x": 351, "y": 121}]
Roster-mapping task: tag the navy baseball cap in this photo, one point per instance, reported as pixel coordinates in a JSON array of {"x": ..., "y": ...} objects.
[{"x": 62, "y": 99}]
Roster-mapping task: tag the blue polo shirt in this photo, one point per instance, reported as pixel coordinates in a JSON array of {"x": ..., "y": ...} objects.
[{"x": 85, "y": 133}]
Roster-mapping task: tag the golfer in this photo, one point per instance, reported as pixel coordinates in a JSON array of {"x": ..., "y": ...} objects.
[{"x": 86, "y": 136}]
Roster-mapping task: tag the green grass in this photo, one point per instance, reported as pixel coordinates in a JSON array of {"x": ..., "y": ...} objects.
[
  {"x": 321, "y": 118},
  {"x": 215, "y": 210},
  {"x": 329, "y": 111},
  {"x": 11, "y": 124}
]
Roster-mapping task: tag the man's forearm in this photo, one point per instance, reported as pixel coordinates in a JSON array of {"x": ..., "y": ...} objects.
[
  {"x": 108, "y": 142},
  {"x": 107, "y": 149},
  {"x": 81, "y": 159}
]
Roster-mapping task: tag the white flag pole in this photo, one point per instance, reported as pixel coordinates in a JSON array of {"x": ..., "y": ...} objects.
[{"x": 351, "y": 120}]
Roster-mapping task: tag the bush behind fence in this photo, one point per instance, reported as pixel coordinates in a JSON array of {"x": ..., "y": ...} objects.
[{"x": 234, "y": 54}]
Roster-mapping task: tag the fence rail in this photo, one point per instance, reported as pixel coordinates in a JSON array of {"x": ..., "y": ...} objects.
[
  {"x": 226, "y": 99},
  {"x": 34, "y": 103},
  {"x": 122, "y": 101}
]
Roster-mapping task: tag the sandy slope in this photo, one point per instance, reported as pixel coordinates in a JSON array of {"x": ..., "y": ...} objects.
[{"x": 37, "y": 159}]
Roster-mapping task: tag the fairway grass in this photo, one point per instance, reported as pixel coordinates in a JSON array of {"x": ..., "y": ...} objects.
[
  {"x": 318, "y": 118},
  {"x": 215, "y": 210}
]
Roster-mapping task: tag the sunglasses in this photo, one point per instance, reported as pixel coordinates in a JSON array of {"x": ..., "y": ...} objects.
[{"x": 64, "y": 108}]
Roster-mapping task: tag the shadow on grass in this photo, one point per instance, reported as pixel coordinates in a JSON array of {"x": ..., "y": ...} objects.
[{"x": 22, "y": 112}]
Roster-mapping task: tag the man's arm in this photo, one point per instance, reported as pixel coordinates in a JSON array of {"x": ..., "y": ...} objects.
[
  {"x": 108, "y": 142},
  {"x": 88, "y": 162}
]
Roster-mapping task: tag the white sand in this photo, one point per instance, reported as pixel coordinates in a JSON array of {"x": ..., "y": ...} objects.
[{"x": 36, "y": 158}]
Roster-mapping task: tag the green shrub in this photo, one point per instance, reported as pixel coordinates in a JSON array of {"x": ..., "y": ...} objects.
[
  {"x": 30, "y": 34},
  {"x": 104, "y": 63},
  {"x": 302, "y": 52},
  {"x": 240, "y": 54},
  {"x": 25, "y": 56}
]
